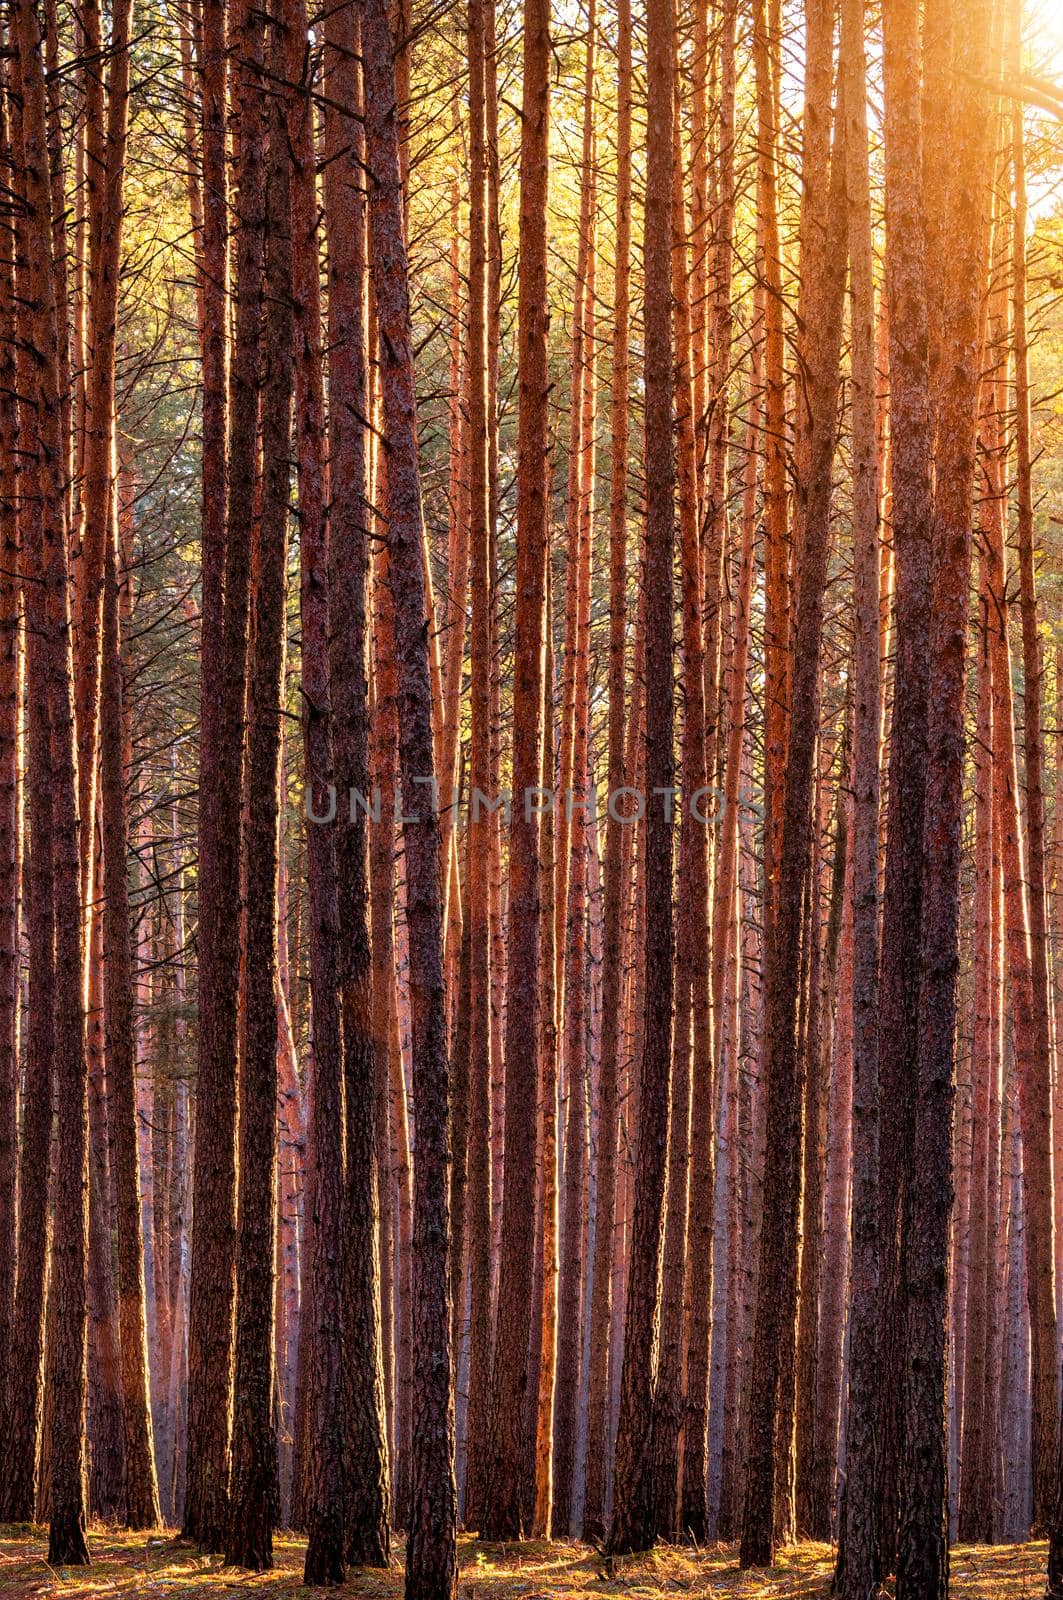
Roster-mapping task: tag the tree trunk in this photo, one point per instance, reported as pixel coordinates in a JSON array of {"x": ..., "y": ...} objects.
[
  {"x": 1046, "y": 1396},
  {"x": 104, "y": 1402},
  {"x": 21, "y": 1402},
  {"x": 615, "y": 883},
  {"x": 907, "y": 317},
  {"x": 249, "y": 1541},
  {"x": 430, "y": 1560},
  {"x": 632, "y": 1527},
  {"x": 922, "y": 1560},
  {"x": 10, "y": 799},
  {"x": 45, "y": 554},
  {"x": 367, "y": 1487},
  {"x": 777, "y": 1278},
  {"x": 858, "y": 1548},
  {"x": 223, "y": 711},
  {"x": 510, "y": 1374},
  {"x": 142, "y": 1492}
]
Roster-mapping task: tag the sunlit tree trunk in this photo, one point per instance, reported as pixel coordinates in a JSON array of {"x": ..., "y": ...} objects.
[
  {"x": 632, "y": 1526},
  {"x": 775, "y": 1326},
  {"x": 615, "y": 885},
  {"x": 922, "y": 1561},
  {"x": 481, "y": 1144}
]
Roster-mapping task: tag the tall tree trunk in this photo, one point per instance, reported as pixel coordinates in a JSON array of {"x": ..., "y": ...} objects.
[
  {"x": 777, "y": 578},
  {"x": 512, "y": 1334},
  {"x": 632, "y": 1525},
  {"x": 21, "y": 1435},
  {"x": 223, "y": 712},
  {"x": 615, "y": 883},
  {"x": 975, "y": 1509},
  {"x": 142, "y": 1492},
  {"x": 249, "y": 1541},
  {"x": 46, "y": 562},
  {"x": 907, "y": 318},
  {"x": 777, "y": 1278},
  {"x": 326, "y": 1554},
  {"x": 858, "y": 1549},
  {"x": 430, "y": 1559},
  {"x": 692, "y": 1063},
  {"x": 480, "y": 819},
  {"x": 104, "y": 1404},
  {"x": 548, "y": 1247},
  {"x": 922, "y": 1560},
  {"x": 1046, "y": 1395},
  {"x": 367, "y": 1487},
  {"x": 10, "y": 798}
]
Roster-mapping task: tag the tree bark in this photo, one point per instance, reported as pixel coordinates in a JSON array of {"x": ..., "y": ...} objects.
[
  {"x": 430, "y": 1560},
  {"x": 615, "y": 885},
  {"x": 252, "y": 1511},
  {"x": 922, "y": 1560},
  {"x": 857, "y": 1566},
  {"x": 907, "y": 317},
  {"x": 223, "y": 695},
  {"x": 367, "y": 1487},
  {"x": 632, "y": 1527},
  {"x": 510, "y": 1375}
]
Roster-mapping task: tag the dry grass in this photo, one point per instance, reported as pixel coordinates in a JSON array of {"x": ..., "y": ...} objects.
[{"x": 140, "y": 1568}]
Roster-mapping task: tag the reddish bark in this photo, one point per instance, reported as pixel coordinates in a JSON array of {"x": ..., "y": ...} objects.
[
  {"x": 142, "y": 1491},
  {"x": 430, "y": 1561},
  {"x": 10, "y": 806},
  {"x": 922, "y": 1561},
  {"x": 510, "y": 1374},
  {"x": 367, "y": 1485},
  {"x": 224, "y": 651},
  {"x": 906, "y": 296},
  {"x": 857, "y": 1567},
  {"x": 615, "y": 888},
  {"x": 777, "y": 1281},
  {"x": 249, "y": 1541},
  {"x": 632, "y": 1525},
  {"x": 481, "y": 1144}
]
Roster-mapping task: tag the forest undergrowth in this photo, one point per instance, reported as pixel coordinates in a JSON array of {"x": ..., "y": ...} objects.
[{"x": 132, "y": 1565}]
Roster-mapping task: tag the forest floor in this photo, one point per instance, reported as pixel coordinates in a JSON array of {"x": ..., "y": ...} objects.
[{"x": 161, "y": 1568}]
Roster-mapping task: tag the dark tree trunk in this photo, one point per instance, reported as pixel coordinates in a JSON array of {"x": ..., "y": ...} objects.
[
  {"x": 326, "y": 1553},
  {"x": 922, "y": 1558},
  {"x": 480, "y": 1152},
  {"x": 632, "y": 1525},
  {"x": 223, "y": 700},
  {"x": 615, "y": 885},
  {"x": 10, "y": 807},
  {"x": 510, "y": 1376},
  {"x": 252, "y": 1490},
  {"x": 857, "y": 1566},
  {"x": 142, "y": 1491},
  {"x": 907, "y": 316},
  {"x": 367, "y": 1488},
  {"x": 431, "y": 1553},
  {"x": 104, "y": 1427},
  {"x": 21, "y": 1402},
  {"x": 46, "y": 557},
  {"x": 776, "y": 1308}
]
